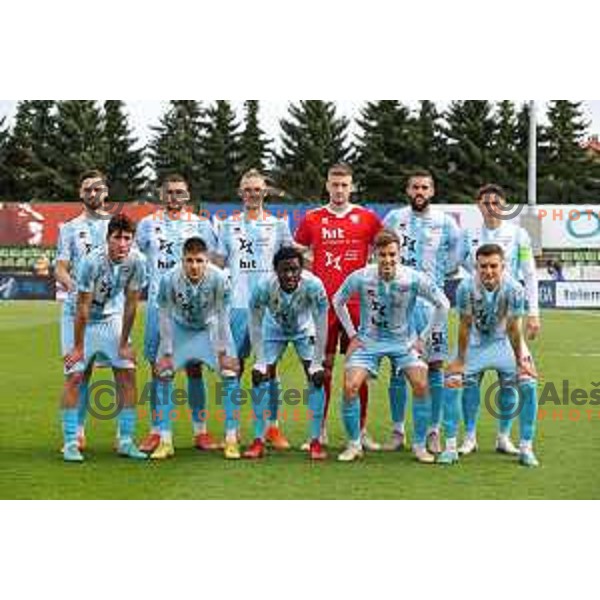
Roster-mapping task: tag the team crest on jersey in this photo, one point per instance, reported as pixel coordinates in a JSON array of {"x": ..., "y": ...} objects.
[{"x": 355, "y": 219}]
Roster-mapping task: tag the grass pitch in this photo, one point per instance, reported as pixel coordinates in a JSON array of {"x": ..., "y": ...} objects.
[{"x": 31, "y": 466}]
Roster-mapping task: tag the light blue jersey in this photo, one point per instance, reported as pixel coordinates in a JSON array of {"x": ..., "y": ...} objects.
[
  {"x": 519, "y": 259},
  {"x": 429, "y": 243},
  {"x": 77, "y": 238},
  {"x": 161, "y": 239},
  {"x": 490, "y": 310},
  {"x": 278, "y": 318},
  {"x": 108, "y": 281},
  {"x": 386, "y": 306},
  {"x": 194, "y": 305},
  {"x": 248, "y": 247}
]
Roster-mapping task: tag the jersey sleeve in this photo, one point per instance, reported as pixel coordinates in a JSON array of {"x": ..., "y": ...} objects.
[
  {"x": 304, "y": 232},
  {"x": 284, "y": 233},
  {"x": 320, "y": 306},
  {"x": 142, "y": 238},
  {"x": 516, "y": 302},
  {"x": 455, "y": 245},
  {"x": 376, "y": 225},
  {"x": 223, "y": 242},
  {"x": 63, "y": 250},
  {"x": 163, "y": 291},
  {"x": 207, "y": 234},
  {"x": 350, "y": 287},
  {"x": 528, "y": 273},
  {"x": 137, "y": 278},
  {"x": 463, "y": 299}
]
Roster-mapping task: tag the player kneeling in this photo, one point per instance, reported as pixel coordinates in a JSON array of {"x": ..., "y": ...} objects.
[
  {"x": 289, "y": 306},
  {"x": 388, "y": 292},
  {"x": 193, "y": 301},
  {"x": 102, "y": 328},
  {"x": 491, "y": 306}
]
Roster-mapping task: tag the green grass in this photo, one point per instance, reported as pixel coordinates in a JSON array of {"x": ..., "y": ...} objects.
[{"x": 31, "y": 467}]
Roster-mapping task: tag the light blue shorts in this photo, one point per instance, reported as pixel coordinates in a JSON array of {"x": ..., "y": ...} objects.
[
  {"x": 497, "y": 356},
  {"x": 436, "y": 347},
  {"x": 275, "y": 344},
  {"x": 101, "y": 345},
  {"x": 193, "y": 346},
  {"x": 370, "y": 358}
]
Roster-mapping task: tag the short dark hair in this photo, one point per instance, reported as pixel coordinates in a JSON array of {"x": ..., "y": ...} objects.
[
  {"x": 120, "y": 223},
  {"x": 384, "y": 238},
  {"x": 288, "y": 253},
  {"x": 491, "y": 188},
  {"x": 194, "y": 245},
  {"x": 91, "y": 174},
  {"x": 490, "y": 250},
  {"x": 420, "y": 174},
  {"x": 174, "y": 178},
  {"x": 340, "y": 170}
]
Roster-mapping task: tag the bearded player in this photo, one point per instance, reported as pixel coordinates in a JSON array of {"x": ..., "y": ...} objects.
[
  {"x": 339, "y": 236},
  {"x": 430, "y": 243}
]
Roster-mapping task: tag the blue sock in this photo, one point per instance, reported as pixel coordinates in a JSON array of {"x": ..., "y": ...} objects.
[
  {"x": 164, "y": 397},
  {"x": 274, "y": 391},
  {"x": 436, "y": 385},
  {"x": 231, "y": 387},
  {"x": 351, "y": 417},
  {"x": 82, "y": 407},
  {"x": 509, "y": 399},
  {"x": 421, "y": 419},
  {"x": 470, "y": 408},
  {"x": 398, "y": 395},
  {"x": 197, "y": 400},
  {"x": 316, "y": 408},
  {"x": 451, "y": 411},
  {"x": 69, "y": 425},
  {"x": 127, "y": 419},
  {"x": 153, "y": 404},
  {"x": 260, "y": 406},
  {"x": 528, "y": 415}
]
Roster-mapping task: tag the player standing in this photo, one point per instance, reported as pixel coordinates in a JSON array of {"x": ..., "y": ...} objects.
[
  {"x": 77, "y": 238},
  {"x": 520, "y": 264},
  {"x": 161, "y": 237},
  {"x": 289, "y": 306},
  {"x": 491, "y": 306},
  {"x": 102, "y": 328},
  {"x": 430, "y": 243},
  {"x": 193, "y": 302},
  {"x": 339, "y": 237},
  {"x": 247, "y": 243},
  {"x": 388, "y": 295}
]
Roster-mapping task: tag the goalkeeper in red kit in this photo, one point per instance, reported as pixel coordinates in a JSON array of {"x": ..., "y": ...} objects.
[{"x": 339, "y": 236}]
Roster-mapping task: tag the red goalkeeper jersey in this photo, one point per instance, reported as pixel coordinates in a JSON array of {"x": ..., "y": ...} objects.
[{"x": 340, "y": 242}]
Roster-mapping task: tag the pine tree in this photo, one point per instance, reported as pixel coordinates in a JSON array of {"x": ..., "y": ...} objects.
[
  {"x": 32, "y": 159},
  {"x": 222, "y": 152},
  {"x": 255, "y": 152},
  {"x": 470, "y": 131},
  {"x": 4, "y": 170},
  {"x": 567, "y": 175},
  {"x": 177, "y": 144},
  {"x": 385, "y": 150},
  {"x": 313, "y": 139},
  {"x": 78, "y": 141},
  {"x": 123, "y": 161}
]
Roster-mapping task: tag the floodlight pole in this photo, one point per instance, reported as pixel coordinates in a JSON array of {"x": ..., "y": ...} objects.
[{"x": 532, "y": 162}]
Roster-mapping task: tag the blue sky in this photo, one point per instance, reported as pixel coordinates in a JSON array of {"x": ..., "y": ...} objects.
[{"x": 145, "y": 113}]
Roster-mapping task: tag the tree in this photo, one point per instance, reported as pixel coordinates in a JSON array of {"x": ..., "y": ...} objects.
[
  {"x": 177, "y": 144},
  {"x": 123, "y": 161},
  {"x": 254, "y": 145},
  {"x": 4, "y": 170},
  {"x": 566, "y": 173},
  {"x": 32, "y": 158},
  {"x": 313, "y": 139},
  {"x": 507, "y": 149},
  {"x": 78, "y": 141},
  {"x": 385, "y": 149},
  {"x": 222, "y": 152},
  {"x": 470, "y": 131}
]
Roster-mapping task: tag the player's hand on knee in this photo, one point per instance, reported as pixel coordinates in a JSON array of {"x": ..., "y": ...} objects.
[
  {"x": 420, "y": 346},
  {"x": 165, "y": 369},
  {"x": 354, "y": 345},
  {"x": 127, "y": 352},
  {"x": 229, "y": 364},
  {"x": 533, "y": 327},
  {"x": 456, "y": 367},
  {"x": 527, "y": 368},
  {"x": 73, "y": 357}
]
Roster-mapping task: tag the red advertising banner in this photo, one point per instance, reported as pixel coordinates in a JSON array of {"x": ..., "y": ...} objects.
[{"x": 37, "y": 225}]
